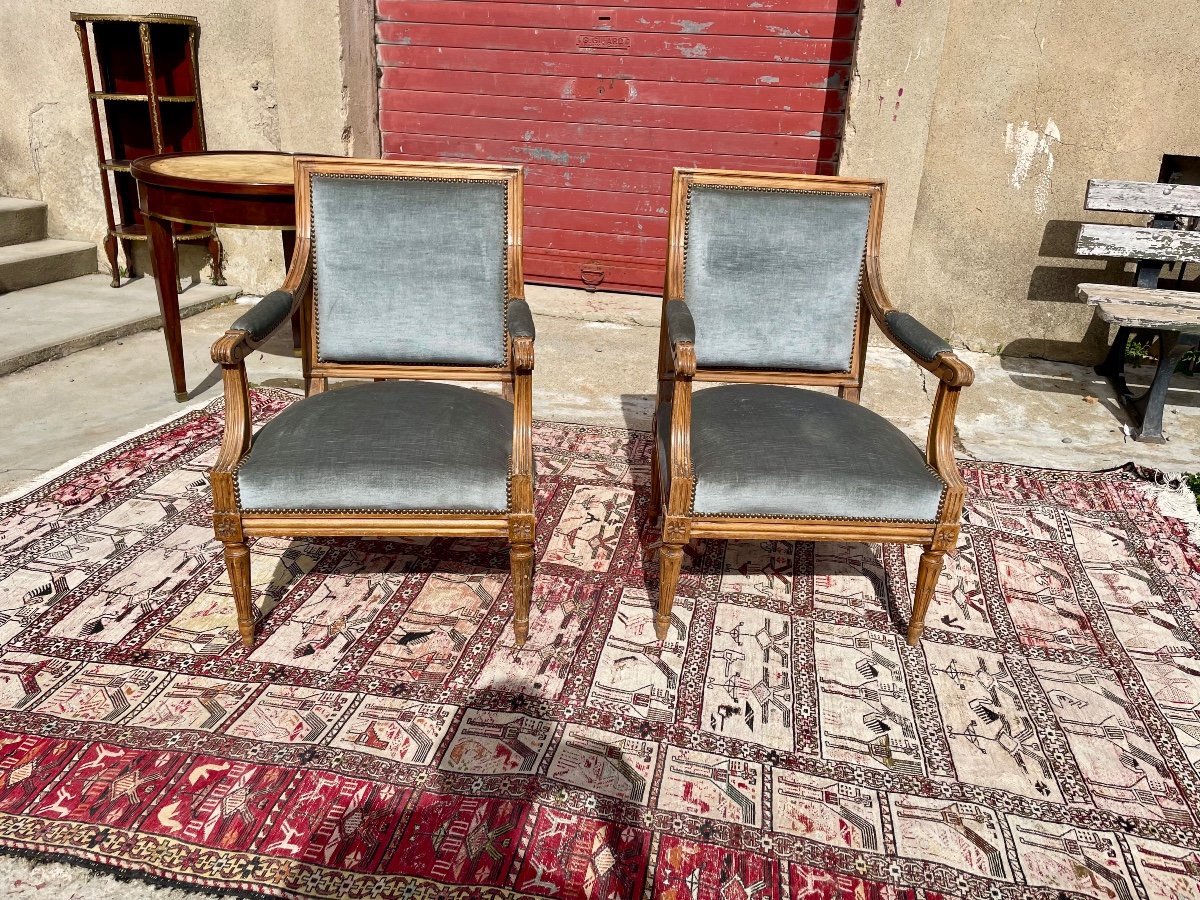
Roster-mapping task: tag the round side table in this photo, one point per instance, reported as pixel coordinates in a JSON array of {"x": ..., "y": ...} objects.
[{"x": 234, "y": 189}]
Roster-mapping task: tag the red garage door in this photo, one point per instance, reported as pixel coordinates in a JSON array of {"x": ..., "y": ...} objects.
[{"x": 599, "y": 103}]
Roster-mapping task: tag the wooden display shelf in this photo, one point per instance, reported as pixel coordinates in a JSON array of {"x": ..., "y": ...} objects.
[
  {"x": 144, "y": 91},
  {"x": 143, "y": 98},
  {"x": 181, "y": 231}
]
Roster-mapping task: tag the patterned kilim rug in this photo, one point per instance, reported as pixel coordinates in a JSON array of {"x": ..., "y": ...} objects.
[{"x": 385, "y": 739}]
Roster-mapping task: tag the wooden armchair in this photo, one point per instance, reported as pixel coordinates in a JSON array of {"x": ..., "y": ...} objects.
[
  {"x": 771, "y": 282},
  {"x": 404, "y": 274}
]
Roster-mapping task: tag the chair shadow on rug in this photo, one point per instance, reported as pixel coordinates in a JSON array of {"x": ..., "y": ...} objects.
[
  {"x": 771, "y": 284},
  {"x": 406, "y": 275},
  {"x": 862, "y": 566},
  {"x": 360, "y": 581}
]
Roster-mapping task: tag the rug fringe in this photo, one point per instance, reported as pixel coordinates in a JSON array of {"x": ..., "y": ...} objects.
[
  {"x": 1174, "y": 497},
  {"x": 49, "y": 476}
]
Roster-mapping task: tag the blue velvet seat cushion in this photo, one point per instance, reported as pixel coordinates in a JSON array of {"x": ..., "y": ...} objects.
[
  {"x": 783, "y": 452},
  {"x": 393, "y": 446}
]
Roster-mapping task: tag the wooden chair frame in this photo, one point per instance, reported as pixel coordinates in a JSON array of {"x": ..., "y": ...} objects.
[
  {"x": 677, "y": 370},
  {"x": 233, "y": 526}
]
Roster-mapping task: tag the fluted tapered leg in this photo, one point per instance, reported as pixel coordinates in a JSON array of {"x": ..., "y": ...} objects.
[
  {"x": 928, "y": 571},
  {"x": 521, "y": 561},
  {"x": 237, "y": 561},
  {"x": 670, "y": 560}
]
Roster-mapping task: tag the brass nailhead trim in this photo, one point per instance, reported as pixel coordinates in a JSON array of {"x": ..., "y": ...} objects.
[
  {"x": 765, "y": 190},
  {"x": 801, "y": 518},
  {"x": 398, "y": 513},
  {"x": 312, "y": 231}
]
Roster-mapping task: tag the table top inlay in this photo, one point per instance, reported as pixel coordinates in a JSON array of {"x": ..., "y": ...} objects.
[{"x": 246, "y": 168}]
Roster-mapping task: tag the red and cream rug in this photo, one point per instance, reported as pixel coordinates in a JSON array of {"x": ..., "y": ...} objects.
[{"x": 385, "y": 739}]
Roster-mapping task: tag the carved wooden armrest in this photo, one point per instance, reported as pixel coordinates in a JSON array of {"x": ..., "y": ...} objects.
[
  {"x": 521, "y": 335},
  {"x": 926, "y": 349},
  {"x": 256, "y": 324},
  {"x": 681, "y": 337},
  {"x": 920, "y": 344}
]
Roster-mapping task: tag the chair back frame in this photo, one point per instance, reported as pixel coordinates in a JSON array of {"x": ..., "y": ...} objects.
[
  {"x": 849, "y": 381},
  {"x": 316, "y": 371}
]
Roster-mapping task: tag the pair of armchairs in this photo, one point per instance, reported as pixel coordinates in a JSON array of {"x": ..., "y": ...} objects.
[{"x": 410, "y": 274}]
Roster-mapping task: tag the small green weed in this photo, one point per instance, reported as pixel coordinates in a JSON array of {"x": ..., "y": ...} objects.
[
  {"x": 1138, "y": 353},
  {"x": 1193, "y": 481}
]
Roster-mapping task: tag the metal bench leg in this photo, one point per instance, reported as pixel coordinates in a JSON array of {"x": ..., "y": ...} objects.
[
  {"x": 1113, "y": 367},
  {"x": 1149, "y": 407}
]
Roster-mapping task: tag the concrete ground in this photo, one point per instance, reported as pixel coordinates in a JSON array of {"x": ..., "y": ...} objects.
[
  {"x": 54, "y": 320},
  {"x": 595, "y": 364}
]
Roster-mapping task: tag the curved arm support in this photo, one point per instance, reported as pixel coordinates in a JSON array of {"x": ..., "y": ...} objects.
[
  {"x": 256, "y": 324},
  {"x": 230, "y": 352},
  {"x": 522, "y": 452},
  {"x": 939, "y": 453},
  {"x": 680, "y": 448},
  {"x": 676, "y": 367},
  {"x": 521, "y": 357},
  {"x": 235, "y": 444},
  {"x": 921, "y": 345},
  {"x": 931, "y": 353}
]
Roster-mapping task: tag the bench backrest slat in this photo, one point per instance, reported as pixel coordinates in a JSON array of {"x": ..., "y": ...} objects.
[
  {"x": 1139, "y": 243},
  {"x": 1097, "y": 294},
  {"x": 1153, "y": 198}
]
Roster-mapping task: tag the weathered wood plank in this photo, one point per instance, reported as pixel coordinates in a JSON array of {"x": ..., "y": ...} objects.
[
  {"x": 1138, "y": 243},
  {"x": 1136, "y": 315},
  {"x": 1095, "y": 294},
  {"x": 1143, "y": 197}
]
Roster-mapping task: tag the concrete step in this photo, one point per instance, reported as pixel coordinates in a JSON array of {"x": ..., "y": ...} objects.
[
  {"x": 21, "y": 221},
  {"x": 41, "y": 262},
  {"x": 51, "y": 321}
]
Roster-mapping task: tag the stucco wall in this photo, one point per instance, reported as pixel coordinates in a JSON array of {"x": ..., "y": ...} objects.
[
  {"x": 1014, "y": 106},
  {"x": 271, "y": 77}
]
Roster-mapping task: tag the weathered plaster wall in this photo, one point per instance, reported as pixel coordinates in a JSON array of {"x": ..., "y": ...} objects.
[
  {"x": 271, "y": 77},
  {"x": 897, "y": 62},
  {"x": 1030, "y": 99}
]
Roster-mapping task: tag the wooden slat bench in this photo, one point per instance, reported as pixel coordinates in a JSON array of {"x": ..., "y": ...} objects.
[{"x": 1172, "y": 316}]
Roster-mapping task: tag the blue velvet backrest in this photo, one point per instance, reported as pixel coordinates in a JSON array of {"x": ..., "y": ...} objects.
[
  {"x": 409, "y": 271},
  {"x": 771, "y": 276}
]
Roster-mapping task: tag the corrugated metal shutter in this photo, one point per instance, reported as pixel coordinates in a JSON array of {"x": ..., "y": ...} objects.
[{"x": 600, "y": 102}]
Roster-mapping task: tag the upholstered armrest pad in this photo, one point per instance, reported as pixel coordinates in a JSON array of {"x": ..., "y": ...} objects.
[
  {"x": 265, "y": 316},
  {"x": 915, "y": 336},
  {"x": 520, "y": 319},
  {"x": 680, "y": 324}
]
